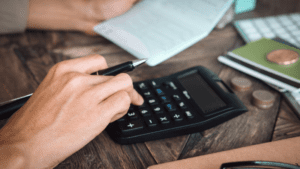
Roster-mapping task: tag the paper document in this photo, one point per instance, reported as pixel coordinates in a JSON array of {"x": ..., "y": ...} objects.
[{"x": 159, "y": 29}]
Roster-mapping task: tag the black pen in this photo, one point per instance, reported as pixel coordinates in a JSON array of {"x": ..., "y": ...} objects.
[
  {"x": 121, "y": 68},
  {"x": 9, "y": 107}
]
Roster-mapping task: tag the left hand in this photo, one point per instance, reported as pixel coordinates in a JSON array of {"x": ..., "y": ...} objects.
[{"x": 78, "y": 15}]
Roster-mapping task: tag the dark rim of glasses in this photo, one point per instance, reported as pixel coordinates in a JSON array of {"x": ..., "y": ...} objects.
[{"x": 259, "y": 163}]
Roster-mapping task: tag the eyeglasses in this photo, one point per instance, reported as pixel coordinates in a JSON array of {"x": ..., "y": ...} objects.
[{"x": 258, "y": 165}]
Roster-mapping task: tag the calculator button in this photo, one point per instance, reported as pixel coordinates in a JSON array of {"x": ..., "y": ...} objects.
[
  {"x": 131, "y": 108},
  {"x": 170, "y": 107},
  {"x": 189, "y": 114},
  {"x": 164, "y": 99},
  {"x": 159, "y": 92},
  {"x": 176, "y": 116},
  {"x": 122, "y": 119},
  {"x": 131, "y": 126},
  {"x": 145, "y": 112},
  {"x": 170, "y": 84},
  {"x": 186, "y": 94},
  {"x": 147, "y": 94},
  {"x": 164, "y": 119},
  {"x": 151, "y": 122},
  {"x": 182, "y": 105},
  {"x": 132, "y": 115},
  {"x": 142, "y": 86},
  {"x": 142, "y": 106},
  {"x": 152, "y": 101},
  {"x": 154, "y": 84},
  {"x": 157, "y": 109},
  {"x": 176, "y": 97}
]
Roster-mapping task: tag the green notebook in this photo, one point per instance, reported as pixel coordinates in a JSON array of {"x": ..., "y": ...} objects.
[{"x": 257, "y": 51}]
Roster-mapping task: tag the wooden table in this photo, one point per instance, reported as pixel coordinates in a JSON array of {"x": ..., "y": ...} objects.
[{"x": 21, "y": 72}]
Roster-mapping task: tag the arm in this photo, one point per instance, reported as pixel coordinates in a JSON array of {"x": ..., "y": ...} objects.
[
  {"x": 68, "y": 109},
  {"x": 76, "y": 15}
]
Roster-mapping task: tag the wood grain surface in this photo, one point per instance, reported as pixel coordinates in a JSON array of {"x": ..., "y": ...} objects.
[{"x": 26, "y": 58}]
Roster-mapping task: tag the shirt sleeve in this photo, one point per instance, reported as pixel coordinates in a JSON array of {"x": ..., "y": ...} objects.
[{"x": 13, "y": 15}]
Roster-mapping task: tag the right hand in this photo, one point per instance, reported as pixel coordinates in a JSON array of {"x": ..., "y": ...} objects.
[{"x": 68, "y": 110}]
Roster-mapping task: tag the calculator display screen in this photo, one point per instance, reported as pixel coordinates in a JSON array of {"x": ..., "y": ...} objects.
[{"x": 204, "y": 96}]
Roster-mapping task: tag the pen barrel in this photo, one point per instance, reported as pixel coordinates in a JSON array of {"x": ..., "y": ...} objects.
[
  {"x": 8, "y": 109},
  {"x": 112, "y": 71}
]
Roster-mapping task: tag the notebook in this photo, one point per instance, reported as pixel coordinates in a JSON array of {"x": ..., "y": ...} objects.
[
  {"x": 159, "y": 29},
  {"x": 252, "y": 57}
]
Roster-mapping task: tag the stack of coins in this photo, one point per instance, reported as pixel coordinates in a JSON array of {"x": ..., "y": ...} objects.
[
  {"x": 240, "y": 84},
  {"x": 263, "y": 99},
  {"x": 283, "y": 56}
]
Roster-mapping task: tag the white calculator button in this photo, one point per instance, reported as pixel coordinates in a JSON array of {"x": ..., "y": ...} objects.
[
  {"x": 246, "y": 24},
  {"x": 265, "y": 30},
  {"x": 296, "y": 95},
  {"x": 269, "y": 35},
  {"x": 255, "y": 36},
  {"x": 280, "y": 31},
  {"x": 285, "y": 37},
  {"x": 250, "y": 31},
  {"x": 297, "y": 44},
  {"x": 287, "y": 23},
  {"x": 283, "y": 17},
  {"x": 292, "y": 27},
  {"x": 298, "y": 38},
  {"x": 296, "y": 32},
  {"x": 293, "y": 41},
  {"x": 270, "y": 19},
  {"x": 275, "y": 25},
  {"x": 295, "y": 17},
  {"x": 259, "y": 22}
]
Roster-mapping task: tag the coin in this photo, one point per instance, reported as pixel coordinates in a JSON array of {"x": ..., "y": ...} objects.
[
  {"x": 263, "y": 99},
  {"x": 283, "y": 56},
  {"x": 240, "y": 84}
]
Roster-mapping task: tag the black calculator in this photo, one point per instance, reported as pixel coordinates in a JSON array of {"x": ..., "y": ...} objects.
[{"x": 186, "y": 102}]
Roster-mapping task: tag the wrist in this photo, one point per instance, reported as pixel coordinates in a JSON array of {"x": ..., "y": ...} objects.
[
  {"x": 11, "y": 157},
  {"x": 54, "y": 15}
]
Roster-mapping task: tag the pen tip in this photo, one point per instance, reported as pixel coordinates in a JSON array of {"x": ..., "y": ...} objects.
[{"x": 138, "y": 62}]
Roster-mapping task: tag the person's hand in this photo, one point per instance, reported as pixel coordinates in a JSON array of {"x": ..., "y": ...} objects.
[
  {"x": 68, "y": 109},
  {"x": 81, "y": 15}
]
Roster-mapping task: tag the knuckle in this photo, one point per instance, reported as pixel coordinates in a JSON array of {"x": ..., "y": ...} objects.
[
  {"x": 125, "y": 78},
  {"x": 60, "y": 68},
  {"x": 101, "y": 59},
  {"x": 75, "y": 80},
  {"x": 124, "y": 97}
]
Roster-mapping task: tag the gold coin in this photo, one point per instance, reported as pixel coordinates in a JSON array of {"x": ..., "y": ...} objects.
[{"x": 283, "y": 56}]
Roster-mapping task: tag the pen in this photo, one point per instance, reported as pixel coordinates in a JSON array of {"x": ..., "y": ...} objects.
[{"x": 9, "y": 107}]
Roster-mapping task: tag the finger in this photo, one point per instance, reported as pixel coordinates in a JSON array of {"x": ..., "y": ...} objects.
[
  {"x": 119, "y": 82},
  {"x": 88, "y": 27},
  {"x": 135, "y": 97},
  {"x": 118, "y": 116},
  {"x": 94, "y": 80},
  {"x": 87, "y": 64},
  {"x": 115, "y": 106}
]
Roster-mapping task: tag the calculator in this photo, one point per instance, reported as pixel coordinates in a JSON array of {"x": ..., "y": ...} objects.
[{"x": 186, "y": 102}]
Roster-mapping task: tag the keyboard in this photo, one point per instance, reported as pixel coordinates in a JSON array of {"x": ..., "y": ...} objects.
[{"x": 282, "y": 28}]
